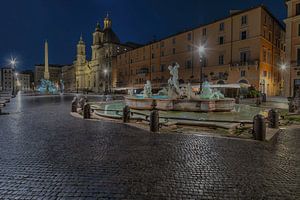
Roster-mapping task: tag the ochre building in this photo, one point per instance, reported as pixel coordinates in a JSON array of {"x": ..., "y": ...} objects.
[
  {"x": 292, "y": 70},
  {"x": 245, "y": 47}
]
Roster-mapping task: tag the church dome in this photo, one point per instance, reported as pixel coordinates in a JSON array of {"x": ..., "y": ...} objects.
[{"x": 109, "y": 36}]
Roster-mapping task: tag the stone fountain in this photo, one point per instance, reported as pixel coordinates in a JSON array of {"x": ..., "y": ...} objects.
[{"x": 174, "y": 98}]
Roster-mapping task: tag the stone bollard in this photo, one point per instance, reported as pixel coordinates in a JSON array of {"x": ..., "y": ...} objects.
[
  {"x": 126, "y": 114},
  {"x": 291, "y": 105},
  {"x": 74, "y": 105},
  {"x": 264, "y": 97},
  {"x": 154, "y": 121},
  {"x": 273, "y": 116},
  {"x": 237, "y": 100},
  {"x": 259, "y": 128},
  {"x": 86, "y": 111}
]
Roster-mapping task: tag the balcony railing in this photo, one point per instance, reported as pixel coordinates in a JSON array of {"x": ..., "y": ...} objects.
[{"x": 247, "y": 63}]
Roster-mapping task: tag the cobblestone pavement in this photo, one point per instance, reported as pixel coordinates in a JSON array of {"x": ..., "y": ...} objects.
[{"x": 47, "y": 154}]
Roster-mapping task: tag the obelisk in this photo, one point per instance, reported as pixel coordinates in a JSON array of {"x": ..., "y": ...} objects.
[{"x": 46, "y": 73}]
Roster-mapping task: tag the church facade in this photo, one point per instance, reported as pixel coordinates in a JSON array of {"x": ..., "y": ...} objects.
[{"x": 95, "y": 75}]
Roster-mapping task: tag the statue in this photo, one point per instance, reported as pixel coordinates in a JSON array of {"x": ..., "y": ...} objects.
[
  {"x": 163, "y": 92},
  {"x": 208, "y": 93},
  {"x": 147, "y": 93},
  {"x": 189, "y": 91},
  {"x": 173, "y": 83},
  {"x": 130, "y": 92}
]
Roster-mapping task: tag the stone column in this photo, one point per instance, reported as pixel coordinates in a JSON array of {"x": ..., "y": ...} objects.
[{"x": 46, "y": 73}]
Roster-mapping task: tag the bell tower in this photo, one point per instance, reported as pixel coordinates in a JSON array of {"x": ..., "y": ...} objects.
[
  {"x": 81, "y": 55},
  {"x": 97, "y": 41},
  {"x": 107, "y": 22}
]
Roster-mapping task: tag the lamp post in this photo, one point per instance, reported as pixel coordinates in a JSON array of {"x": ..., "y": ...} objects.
[
  {"x": 13, "y": 63},
  {"x": 201, "y": 50},
  {"x": 105, "y": 74},
  {"x": 283, "y": 68}
]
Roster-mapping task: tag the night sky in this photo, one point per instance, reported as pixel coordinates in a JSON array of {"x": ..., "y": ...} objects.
[{"x": 25, "y": 24}]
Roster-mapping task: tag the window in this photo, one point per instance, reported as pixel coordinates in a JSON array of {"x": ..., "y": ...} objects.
[
  {"x": 188, "y": 64},
  {"x": 270, "y": 36},
  {"x": 298, "y": 29},
  {"x": 264, "y": 55},
  {"x": 162, "y": 44},
  {"x": 244, "y": 20},
  {"x": 298, "y": 57},
  {"x": 269, "y": 57},
  {"x": 189, "y": 47},
  {"x": 189, "y": 36},
  {"x": 298, "y": 73},
  {"x": 204, "y": 32},
  {"x": 243, "y": 35},
  {"x": 244, "y": 56},
  {"x": 221, "y": 28},
  {"x": 152, "y": 56},
  {"x": 174, "y": 41},
  {"x": 298, "y": 9},
  {"x": 162, "y": 53},
  {"x": 243, "y": 73},
  {"x": 162, "y": 68},
  {"x": 221, "y": 40},
  {"x": 264, "y": 73},
  {"x": 174, "y": 50},
  {"x": 221, "y": 60}
]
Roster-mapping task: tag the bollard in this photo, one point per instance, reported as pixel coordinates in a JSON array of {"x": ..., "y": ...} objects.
[
  {"x": 74, "y": 105},
  {"x": 153, "y": 104},
  {"x": 237, "y": 100},
  {"x": 291, "y": 105},
  {"x": 126, "y": 114},
  {"x": 87, "y": 111},
  {"x": 273, "y": 116},
  {"x": 259, "y": 128},
  {"x": 264, "y": 97},
  {"x": 154, "y": 121}
]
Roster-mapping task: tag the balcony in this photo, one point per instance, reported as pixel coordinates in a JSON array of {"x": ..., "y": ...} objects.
[{"x": 247, "y": 63}]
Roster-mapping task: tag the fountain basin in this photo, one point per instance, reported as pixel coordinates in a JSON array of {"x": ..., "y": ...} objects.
[{"x": 193, "y": 105}]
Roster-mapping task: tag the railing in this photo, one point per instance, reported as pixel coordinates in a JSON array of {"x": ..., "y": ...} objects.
[{"x": 145, "y": 117}]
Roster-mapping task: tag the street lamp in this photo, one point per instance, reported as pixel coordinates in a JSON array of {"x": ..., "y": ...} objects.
[
  {"x": 201, "y": 50},
  {"x": 105, "y": 73},
  {"x": 283, "y": 68},
  {"x": 13, "y": 63}
]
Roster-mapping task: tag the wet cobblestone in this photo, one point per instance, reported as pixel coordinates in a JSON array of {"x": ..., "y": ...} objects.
[{"x": 47, "y": 154}]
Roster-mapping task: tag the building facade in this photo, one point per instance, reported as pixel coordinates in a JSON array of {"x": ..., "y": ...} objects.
[
  {"x": 69, "y": 78},
  {"x": 292, "y": 46},
  {"x": 96, "y": 74},
  {"x": 23, "y": 82},
  {"x": 55, "y": 72},
  {"x": 7, "y": 79},
  {"x": 245, "y": 47}
]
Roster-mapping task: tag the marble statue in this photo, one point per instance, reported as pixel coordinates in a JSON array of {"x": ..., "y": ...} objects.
[
  {"x": 163, "y": 92},
  {"x": 147, "y": 93},
  {"x": 173, "y": 83},
  {"x": 130, "y": 92},
  {"x": 208, "y": 93}
]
